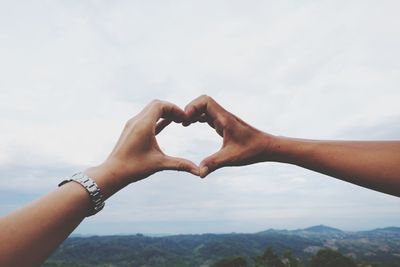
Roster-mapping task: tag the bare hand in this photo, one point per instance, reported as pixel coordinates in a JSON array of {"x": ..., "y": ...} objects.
[
  {"x": 137, "y": 154},
  {"x": 242, "y": 143}
]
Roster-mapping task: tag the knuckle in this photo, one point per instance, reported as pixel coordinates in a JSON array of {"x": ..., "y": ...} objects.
[
  {"x": 181, "y": 165},
  {"x": 206, "y": 97},
  {"x": 156, "y": 102},
  {"x": 129, "y": 122},
  {"x": 223, "y": 120}
]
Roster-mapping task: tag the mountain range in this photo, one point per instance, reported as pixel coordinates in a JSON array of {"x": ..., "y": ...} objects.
[{"x": 378, "y": 247}]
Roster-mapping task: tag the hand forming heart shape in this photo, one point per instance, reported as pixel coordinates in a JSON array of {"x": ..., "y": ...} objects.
[
  {"x": 138, "y": 155},
  {"x": 242, "y": 143}
]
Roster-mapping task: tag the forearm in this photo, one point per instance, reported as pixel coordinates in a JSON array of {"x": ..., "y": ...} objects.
[
  {"x": 372, "y": 164},
  {"x": 29, "y": 235}
]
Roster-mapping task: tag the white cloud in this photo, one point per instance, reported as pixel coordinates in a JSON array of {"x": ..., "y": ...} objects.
[{"x": 73, "y": 73}]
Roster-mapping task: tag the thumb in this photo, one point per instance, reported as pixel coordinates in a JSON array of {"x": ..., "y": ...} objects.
[
  {"x": 213, "y": 162},
  {"x": 180, "y": 164}
]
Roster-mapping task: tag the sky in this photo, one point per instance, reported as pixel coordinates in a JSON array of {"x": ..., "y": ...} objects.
[{"x": 73, "y": 72}]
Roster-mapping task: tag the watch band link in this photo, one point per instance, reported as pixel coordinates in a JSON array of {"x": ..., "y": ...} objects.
[{"x": 91, "y": 187}]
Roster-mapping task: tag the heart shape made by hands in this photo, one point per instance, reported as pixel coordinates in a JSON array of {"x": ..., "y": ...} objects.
[
  {"x": 194, "y": 143},
  {"x": 242, "y": 144}
]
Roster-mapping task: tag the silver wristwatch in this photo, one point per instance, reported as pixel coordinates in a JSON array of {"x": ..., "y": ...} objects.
[{"x": 91, "y": 187}]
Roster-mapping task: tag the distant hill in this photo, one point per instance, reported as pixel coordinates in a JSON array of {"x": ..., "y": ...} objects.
[
  {"x": 379, "y": 247},
  {"x": 322, "y": 229},
  {"x": 385, "y": 230},
  {"x": 317, "y": 229}
]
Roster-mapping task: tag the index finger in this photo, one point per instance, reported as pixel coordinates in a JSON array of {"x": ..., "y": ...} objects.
[
  {"x": 165, "y": 110},
  {"x": 202, "y": 105}
]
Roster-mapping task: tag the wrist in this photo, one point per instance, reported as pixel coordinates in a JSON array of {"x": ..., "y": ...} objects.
[
  {"x": 289, "y": 150},
  {"x": 108, "y": 180},
  {"x": 271, "y": 146}
]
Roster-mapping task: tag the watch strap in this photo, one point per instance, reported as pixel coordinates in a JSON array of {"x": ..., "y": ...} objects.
[{"x": 96, "y": 198}]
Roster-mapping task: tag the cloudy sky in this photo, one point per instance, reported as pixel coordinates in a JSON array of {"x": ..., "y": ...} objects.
[{"x": 72, "y": 73}]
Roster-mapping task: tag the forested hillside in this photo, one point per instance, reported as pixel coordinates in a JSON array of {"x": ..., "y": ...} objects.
[{"x": 273, "y": 248}]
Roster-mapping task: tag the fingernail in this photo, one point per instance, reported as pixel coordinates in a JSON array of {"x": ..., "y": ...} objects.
[{"x": 203, "y": 171}]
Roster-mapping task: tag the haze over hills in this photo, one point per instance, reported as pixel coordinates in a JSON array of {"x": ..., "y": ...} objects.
[{"x": 378, "y": 247}]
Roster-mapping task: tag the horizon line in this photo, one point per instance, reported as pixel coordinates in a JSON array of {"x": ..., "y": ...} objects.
[{"x": 233, "y": 232}]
